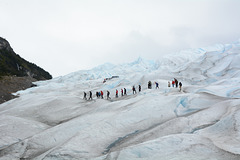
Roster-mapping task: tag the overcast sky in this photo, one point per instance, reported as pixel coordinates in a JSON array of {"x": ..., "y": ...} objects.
[{"x": 63, "y": 36}]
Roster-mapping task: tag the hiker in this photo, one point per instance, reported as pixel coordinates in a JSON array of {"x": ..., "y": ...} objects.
[
  {"x": 85, "y": 96},
  {"x": 157, "y": 85},
  {"x": 180, "y": 86},
  {"x": 102, "y": 94},
  {"x": 90, "y": 95},
  {"x": 139, "y": 88},
  {"x": 108, "y": 95},
  {"x": 121, "y": 91},
  {"x": 169, "y": 85},
  {"x": 97, "y": 94},
  {"x": 116, "y": 93},
  {"x": 176, "y": 83},
  {"x": 134, "y": 90},
  {"x": 173, "y": 82},
  {"x": 125, "y": 91},
  {"x": 149, "y": 85}
]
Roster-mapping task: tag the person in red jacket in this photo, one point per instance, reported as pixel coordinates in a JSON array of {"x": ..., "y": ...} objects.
[
  {"x": 173, "y": 83},
  {"x": 102, "y": 94},
  {"x": 116, "y": 93}
]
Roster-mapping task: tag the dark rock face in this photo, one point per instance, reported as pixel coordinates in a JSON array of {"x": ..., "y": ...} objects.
[
  {"x": 16, "y": 73},
  {"x": 12, "y": 64},
  {"x": 4, "y": 45},
  {"x": 12, "y": 84}
]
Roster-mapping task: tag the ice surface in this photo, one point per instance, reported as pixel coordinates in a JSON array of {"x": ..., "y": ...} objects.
[{"x": 52, "y": 121}]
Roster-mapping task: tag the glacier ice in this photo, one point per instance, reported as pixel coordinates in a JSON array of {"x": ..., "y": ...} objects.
[{"x": 52, "y": 121}]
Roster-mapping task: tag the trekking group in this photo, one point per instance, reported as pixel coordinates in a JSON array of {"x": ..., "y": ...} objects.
[
  {"x": 175, "y": 83},
  {"x": 124, "y": 90}
]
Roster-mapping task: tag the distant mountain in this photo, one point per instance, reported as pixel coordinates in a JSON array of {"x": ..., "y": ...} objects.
[{"x": 11, "y": 64}]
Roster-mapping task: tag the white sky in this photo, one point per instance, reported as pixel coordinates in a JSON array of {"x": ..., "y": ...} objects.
[{"x": 63, "y": 36}]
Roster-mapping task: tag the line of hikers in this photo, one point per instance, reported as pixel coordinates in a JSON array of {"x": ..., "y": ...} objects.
[
  {"x": 100, "y": 94},
  {"x": 124, "y": 90}
]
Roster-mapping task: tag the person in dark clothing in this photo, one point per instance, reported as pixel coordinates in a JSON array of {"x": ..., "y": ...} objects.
[
  {"x": 149, "y": 85},
  {"x": 180, "y": 86},
  {"x": 85, "y": 96},
  {"x": 108, "y": 95},
  {"x": 134, "y": 90},
  {"x": 90, "y": 95},
  {"x": 157, "y": 85},
  {"x": 121, "y": 91},
  {"x": 139, "y": 88},
  {"x": 97, "y": 94},
  {"x": 176, "y": 82},
  {"x": 125, "y": 91},
  {"x": 116, "y": 93}
]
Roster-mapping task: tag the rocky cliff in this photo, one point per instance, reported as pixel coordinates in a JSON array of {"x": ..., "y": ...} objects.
[
  {"x": 11, "y": 64},
  {"x": 16, "y": 73}
]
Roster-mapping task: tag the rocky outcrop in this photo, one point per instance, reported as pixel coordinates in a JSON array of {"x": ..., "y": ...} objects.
[
  {"x": 16, "y": 73},
  {"x": 12, "y": 84}
]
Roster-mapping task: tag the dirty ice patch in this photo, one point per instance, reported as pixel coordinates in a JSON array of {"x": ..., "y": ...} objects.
[
  {"x": 12, "y": 129},
  {"x": 173, "y": 147},
  {"x": 225, "y": 134}
]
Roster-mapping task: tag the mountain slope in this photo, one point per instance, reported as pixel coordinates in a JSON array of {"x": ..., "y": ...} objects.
[
  {"x": 12, "y": 64},
  {"x": 16, "y": 73},
  {"x": 52, "y": 121}
]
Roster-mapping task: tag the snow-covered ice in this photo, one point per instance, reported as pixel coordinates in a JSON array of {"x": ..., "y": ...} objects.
[{"x": 52, "y": 121}]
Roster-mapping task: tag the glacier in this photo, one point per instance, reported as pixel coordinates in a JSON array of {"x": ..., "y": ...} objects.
[{"x": 53, "y": 121}]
